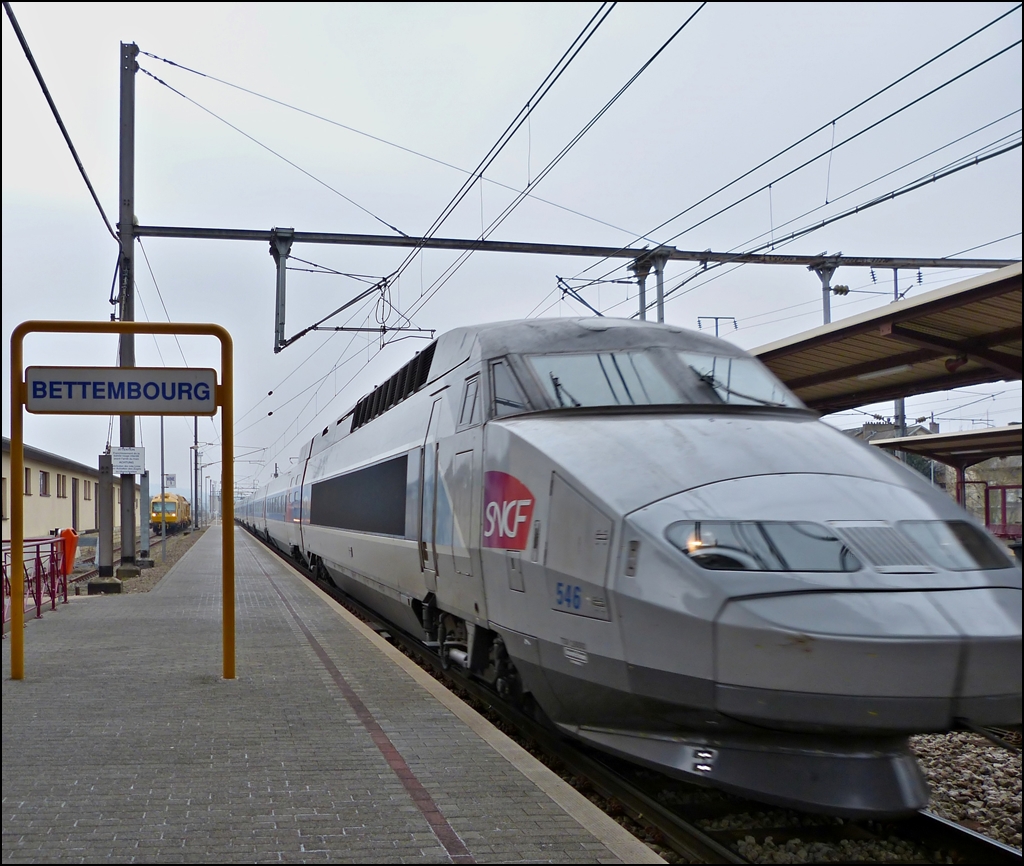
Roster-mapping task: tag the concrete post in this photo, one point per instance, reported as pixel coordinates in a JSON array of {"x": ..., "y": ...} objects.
[
  {"x": 126, "y": 233},
  {"x": 143, "y": 560},
  {"x": 105, "y": 582}
]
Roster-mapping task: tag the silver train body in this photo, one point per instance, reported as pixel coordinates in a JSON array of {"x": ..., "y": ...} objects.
[{"x": 639, "y": 530}]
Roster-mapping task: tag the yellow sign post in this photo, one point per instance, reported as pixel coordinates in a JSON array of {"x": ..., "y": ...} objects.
[{"x": 223, "y": 398}]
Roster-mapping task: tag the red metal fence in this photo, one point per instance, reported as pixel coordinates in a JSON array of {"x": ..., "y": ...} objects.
[
  {"x": 45, "y": 576},
  {"x": 1003, "y": 510}
]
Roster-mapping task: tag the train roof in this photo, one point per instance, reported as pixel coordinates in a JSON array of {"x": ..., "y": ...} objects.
[
  {"x": 525, "y": 336},
  {"x": 531, "y": 336}
]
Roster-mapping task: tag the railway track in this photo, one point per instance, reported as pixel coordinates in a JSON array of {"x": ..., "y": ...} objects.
[
  {"x": 93, "y": 572},
  {"x": 702, "y": 825}
]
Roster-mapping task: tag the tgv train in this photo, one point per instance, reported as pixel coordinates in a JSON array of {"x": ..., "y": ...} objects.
[
  {"x": 639, "y": 530},
  {"x": 170, "y": 509}
]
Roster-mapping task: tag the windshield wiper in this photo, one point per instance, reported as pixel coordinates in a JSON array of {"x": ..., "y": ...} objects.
[
  {"x": 709, "y": 379},
  {"x": 559, "y": 388}
]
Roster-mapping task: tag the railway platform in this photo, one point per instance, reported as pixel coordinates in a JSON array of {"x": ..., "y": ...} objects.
[{"x": 123, "y": 743}]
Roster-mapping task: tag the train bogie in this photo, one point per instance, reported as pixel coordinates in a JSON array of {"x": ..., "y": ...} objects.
[{"x": 641, "y": 529}]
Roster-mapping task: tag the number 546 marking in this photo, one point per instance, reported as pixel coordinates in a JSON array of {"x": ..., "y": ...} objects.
[{"x": 568, "y": 595}]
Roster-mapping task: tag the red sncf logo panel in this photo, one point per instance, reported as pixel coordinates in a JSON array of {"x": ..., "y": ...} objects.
[{"x": 508, "y": 509}]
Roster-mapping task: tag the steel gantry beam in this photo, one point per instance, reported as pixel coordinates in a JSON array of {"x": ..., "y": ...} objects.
[
  {"x": 669, "y": 253},
  {"x": 643, "y": 260}
]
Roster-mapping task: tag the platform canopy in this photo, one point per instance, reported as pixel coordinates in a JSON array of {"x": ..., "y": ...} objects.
[
  {"x": 964, "y": 334},
  {"x": 959, "y": 449}
]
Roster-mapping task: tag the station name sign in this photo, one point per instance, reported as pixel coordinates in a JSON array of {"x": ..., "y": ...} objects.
[{"x": 121, "y": 390}]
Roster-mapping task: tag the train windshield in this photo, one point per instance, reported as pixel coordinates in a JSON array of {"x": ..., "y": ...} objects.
[
  {"x": 169, "y": 507},
  {"x": 957, "y": 544},
  {"x": 747, "y": 545},
  {"x": 739, "y": 381},
  {"x": 603, "y": 379}
]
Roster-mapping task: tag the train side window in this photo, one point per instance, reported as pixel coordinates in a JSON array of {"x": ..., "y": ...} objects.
[
  {"x": 470, "y": 413},
  {"x": 507, "y": 398}
]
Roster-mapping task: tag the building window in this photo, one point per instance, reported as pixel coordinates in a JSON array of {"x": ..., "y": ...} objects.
[
  {"x": 87, "y": 489},
  {"x": 28, "y": 481},
  {"x": 62, "y": 486},
  {"x": 44, "y": 483},
  {"x": 3, "y": 500}
]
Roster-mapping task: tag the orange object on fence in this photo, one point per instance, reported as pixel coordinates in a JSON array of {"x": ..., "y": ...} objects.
[{"x": 70, "y": 549}]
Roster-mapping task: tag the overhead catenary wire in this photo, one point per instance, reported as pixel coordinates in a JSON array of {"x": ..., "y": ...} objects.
[
  {"x": 316, "y": 383},
  {"x": 57, "y": 117},
  {"x": 167, "y": 315},
  {"x": 271, "y": 150},
  {"x": 950, "y": 169},
  {"x": 570, "y": 54},
  {"x": 978, "y": 151},
  {"x": 538, "y": 95},
  {"x": 451, "y": 270},
  {"x": 814, "y": 303},
  {"x": 824, "y": 153},
  {"x": 299, "y": 430},
  {"x": 912, "y": 187},
  {"x": 831, "y": 149},
  {"x": 825, "y": 126},
  {"x": 160, "y": 295},
  {"x": 774, "y": 241},
  {"x": 323, "y": 269},
  {"x": 972, "y": 159},
  {"x": 381, "y": 140}
]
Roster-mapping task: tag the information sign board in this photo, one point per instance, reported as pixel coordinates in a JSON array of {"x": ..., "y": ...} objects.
[
  {"x": 170, "y": 479},
  {"x": 121, "y": 390},
  {"x": 128, "y": 461}
]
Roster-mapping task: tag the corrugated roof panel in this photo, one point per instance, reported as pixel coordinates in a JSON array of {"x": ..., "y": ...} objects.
[{"x": 902, "y": 349}]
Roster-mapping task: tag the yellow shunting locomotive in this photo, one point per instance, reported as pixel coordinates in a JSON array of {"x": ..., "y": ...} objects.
[{"x": 172, "y": 509}]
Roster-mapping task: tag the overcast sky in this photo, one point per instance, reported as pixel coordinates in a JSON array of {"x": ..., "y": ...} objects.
[{"x": 418, "y": 94}]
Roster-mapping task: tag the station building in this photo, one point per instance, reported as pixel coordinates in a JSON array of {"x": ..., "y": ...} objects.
[{"x": 59, "y": 494}]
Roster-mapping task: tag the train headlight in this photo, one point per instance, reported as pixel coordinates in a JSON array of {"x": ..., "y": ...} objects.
[{"x": 699, "y": 540}]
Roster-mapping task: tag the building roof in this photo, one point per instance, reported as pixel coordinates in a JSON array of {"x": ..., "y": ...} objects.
[
  {"x": 960, "y": 449},
  {"x": 37, "y": 455},
  {"x": 964, "y": 334}
]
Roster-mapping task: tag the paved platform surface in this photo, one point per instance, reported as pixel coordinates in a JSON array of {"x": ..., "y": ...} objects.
[{"x": 123, "y": 743}]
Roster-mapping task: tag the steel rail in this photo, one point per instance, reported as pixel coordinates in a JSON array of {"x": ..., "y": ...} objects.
[{"x": 85, "y": 575}]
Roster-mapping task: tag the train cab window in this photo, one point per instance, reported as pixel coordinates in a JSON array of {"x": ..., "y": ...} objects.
[
  {"x": 957, "y": 545},
  {"x": 506, "y": 396},
  {"x": 603, "y": 379},
  {"x": 738, "y": 381},
  {"x": 470, "y": 412}
]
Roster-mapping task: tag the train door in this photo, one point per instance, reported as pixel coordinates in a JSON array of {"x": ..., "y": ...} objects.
[
  {"x": 576, "y": 553},
  {"x": 459, "y": 469},
  {"x": 428, "y": 499}
]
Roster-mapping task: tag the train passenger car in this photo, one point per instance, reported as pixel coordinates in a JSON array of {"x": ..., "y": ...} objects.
[
  {"x": 638, "y": 530},
  {"x": 280, "y": 510},
  {"x": 171, "y": 509}
]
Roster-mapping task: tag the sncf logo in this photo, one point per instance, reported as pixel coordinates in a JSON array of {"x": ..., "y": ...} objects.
[{"x": 507, "y": 513}]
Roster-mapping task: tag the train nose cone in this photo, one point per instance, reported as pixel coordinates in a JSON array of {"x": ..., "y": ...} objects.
[
  {"x": 989, "y": 622},
  {"x": 893, "y": 661}
]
